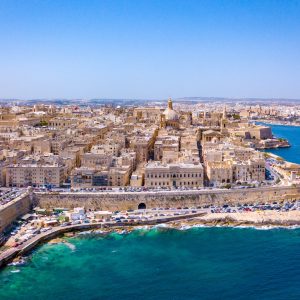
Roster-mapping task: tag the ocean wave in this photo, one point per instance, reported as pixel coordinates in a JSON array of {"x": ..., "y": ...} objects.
[{"x": 184, "y": 227}]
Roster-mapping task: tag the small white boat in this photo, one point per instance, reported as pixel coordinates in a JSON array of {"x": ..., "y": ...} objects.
[{"x": 15, "y": 271}]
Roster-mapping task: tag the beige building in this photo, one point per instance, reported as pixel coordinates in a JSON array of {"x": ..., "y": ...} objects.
[
  {"x": 230, "y": 171},
  {"x": 63, "y": 123},
  {"x": 22, "y": 175},
  {"x": 119, "y": 176},
  {"x": 96, "y": 160},
  {"x": 88, "y": 178},
  {"x": 165, "y": 143},
  {"x": 219, "y": 172},
  {"x": 173, "y": 175},
  {"x": 147, "y": 114},
  {"x": 211, "y": 136},
  {"x": 249, "y": 171}
]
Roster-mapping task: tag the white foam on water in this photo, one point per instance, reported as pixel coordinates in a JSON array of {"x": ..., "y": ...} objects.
[{"x": 71, "y": 246}]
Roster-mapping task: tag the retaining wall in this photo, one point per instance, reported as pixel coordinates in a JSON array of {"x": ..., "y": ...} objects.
[
  {"x": 14, "y": 209},
  {"x": 131, "y": 200}
]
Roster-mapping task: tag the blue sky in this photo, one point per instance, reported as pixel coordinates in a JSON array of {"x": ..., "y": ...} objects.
[{"x": 149, "y": 49}]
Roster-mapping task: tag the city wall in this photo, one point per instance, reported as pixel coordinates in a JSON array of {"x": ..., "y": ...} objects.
[
  {"x": 14, "y": 209},
  {"x": 127, "y": 200}
]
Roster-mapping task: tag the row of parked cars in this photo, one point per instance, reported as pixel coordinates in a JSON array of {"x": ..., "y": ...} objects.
[{"x": 8, "y": 195}]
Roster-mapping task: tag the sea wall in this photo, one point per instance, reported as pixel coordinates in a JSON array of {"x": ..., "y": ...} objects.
[
  {"x": 14, "y": 209},
  {"x": 131, "y": 200}
]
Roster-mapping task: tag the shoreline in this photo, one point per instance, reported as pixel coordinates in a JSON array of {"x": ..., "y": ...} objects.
[
  {"x": 257, "y": 220},
  {"x": 270, "y": 122}
]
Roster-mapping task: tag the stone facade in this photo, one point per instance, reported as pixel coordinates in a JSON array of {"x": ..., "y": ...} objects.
[{"x": 14, "y": 209}]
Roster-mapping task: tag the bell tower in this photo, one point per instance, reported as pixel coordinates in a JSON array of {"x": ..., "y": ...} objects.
[
  {"x": 170, "y": 103},
  {"x": 162, "y": 121}
]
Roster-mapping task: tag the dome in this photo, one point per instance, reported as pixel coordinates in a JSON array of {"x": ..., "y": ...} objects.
[{"x": 171, "y": 115}]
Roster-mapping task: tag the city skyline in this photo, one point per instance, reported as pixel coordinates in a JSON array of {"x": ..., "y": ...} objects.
[{"x": 149, "y": 50}]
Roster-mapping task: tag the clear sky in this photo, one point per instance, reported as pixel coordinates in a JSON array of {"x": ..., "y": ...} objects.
[{"x": 149, "y": 49}]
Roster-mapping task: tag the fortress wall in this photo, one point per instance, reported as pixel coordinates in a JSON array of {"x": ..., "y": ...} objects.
[
  {"x": 14, "y": 209},
  {"x": 124, "y": 201}
]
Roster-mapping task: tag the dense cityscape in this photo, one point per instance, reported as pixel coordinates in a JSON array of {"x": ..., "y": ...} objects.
[
  {"x": 149, "y": 150},
  {"x": 54, "y": 154},
  {"x": 148, "y": 147}
]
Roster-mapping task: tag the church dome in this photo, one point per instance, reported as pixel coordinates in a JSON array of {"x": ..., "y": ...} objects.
[{"x": 170, "y": 113}]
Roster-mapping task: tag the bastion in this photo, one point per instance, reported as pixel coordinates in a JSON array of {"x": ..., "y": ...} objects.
[
  {"x": 14, "y": 209},
  {"x": 133, "y": 200}
]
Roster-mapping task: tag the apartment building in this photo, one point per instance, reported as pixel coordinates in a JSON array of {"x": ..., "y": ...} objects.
[{"x": 23, "y": 175}]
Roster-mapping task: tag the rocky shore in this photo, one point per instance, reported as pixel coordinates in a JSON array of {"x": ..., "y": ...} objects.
[{"x": 256, "y": 219}]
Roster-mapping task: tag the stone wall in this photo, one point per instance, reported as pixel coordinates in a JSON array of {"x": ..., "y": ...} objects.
[
  {"x": 123, "y": 201},
  {"x": 14, "y": 209}
]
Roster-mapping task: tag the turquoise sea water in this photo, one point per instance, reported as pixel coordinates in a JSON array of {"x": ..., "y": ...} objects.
[
  {"x": 199, "y": 263},
  {"x": 292, "y": 133}
]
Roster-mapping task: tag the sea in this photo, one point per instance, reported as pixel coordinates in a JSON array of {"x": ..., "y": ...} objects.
[
  {"x": 163, "y": 263},
  {"x": 292, "y": 133}
]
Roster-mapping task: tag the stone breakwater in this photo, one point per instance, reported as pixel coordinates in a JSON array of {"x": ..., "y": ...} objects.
[{"x": 131, "y": 200}]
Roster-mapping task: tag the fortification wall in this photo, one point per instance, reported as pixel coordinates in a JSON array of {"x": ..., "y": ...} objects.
[
  {"x": 123, "y": 201},
  {"x": 14, "y": 209}
]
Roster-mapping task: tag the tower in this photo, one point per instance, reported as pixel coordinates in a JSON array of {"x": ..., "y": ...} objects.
[
  {"x": 170, "y": 103},
  {"x": 162, "y": 121},
  {"x": 224, "y": 121},
  {"x": 224, "y": 112}
]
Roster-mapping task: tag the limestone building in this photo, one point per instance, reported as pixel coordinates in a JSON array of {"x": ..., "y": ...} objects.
[{"x": 173, "y": 175}]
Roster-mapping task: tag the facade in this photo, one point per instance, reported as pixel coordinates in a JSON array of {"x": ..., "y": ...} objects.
[
  {"x": 88, "y": 178},
  {"x": 34, "y": 175},
  {"x": 119, "y": 176},
  {"x": 173, "y": 175},
  {"x": 219, "y": 173},
  {"x": 249, "y": 171},
  {"x": 96, "y": 160}
]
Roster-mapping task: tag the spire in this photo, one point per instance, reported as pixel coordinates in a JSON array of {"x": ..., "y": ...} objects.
[
  {"x": 170, "y": 103},
  {"x": 224, "y": 112}
]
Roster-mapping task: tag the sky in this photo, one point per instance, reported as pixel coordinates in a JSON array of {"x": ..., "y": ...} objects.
[{"x": 153, "y": 49}]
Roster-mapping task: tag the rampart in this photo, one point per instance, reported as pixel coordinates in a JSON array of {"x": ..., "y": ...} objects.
[
  {"x": 194, "y": 198},
  {"x": 14, "y": 209}
]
